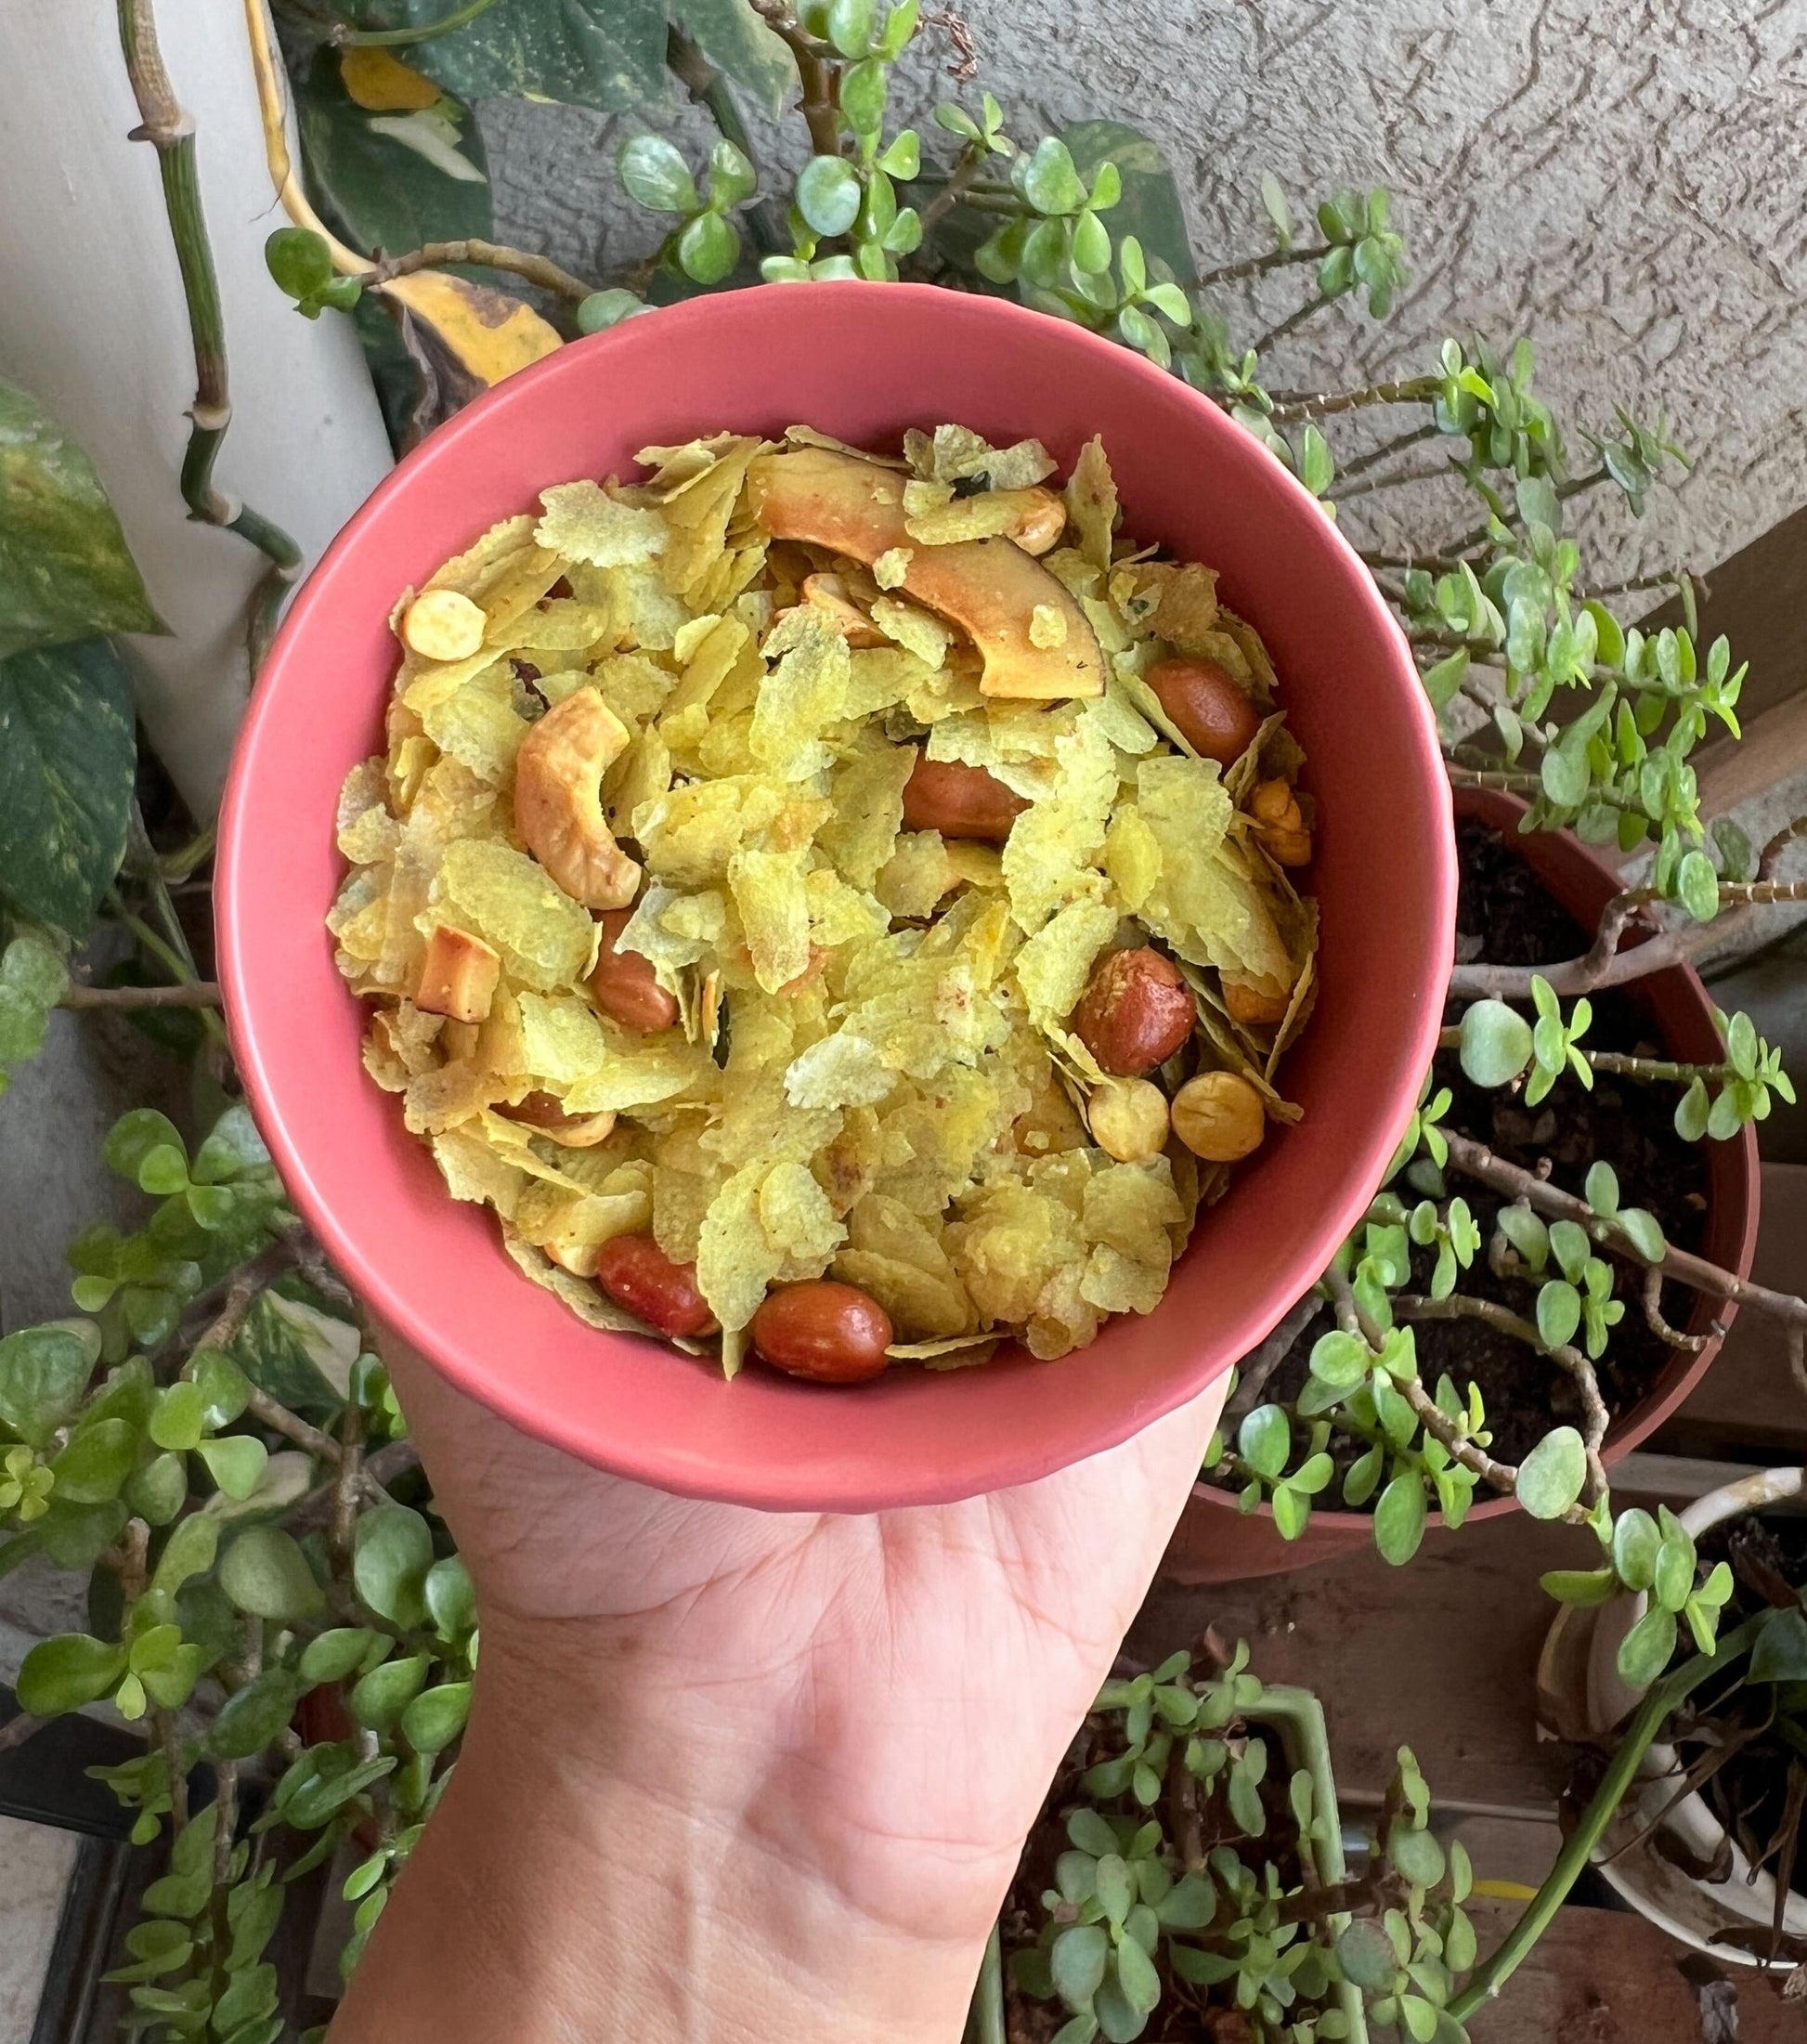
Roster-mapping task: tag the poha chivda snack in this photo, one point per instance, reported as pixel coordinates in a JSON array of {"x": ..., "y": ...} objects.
[{"x": 830, "y": 904}]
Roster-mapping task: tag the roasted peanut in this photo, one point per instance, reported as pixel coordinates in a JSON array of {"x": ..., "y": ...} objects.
[
  {"x": 1207, "y": 706},
  {"x": 959, "y": 800},
  {"x": 1040, "y": 521},
  {"x": 1248, "y": 1005},
  {"x": 1219, "y": 1117},
  {"x": 1135, "y": 1012},
  {"x": 546, "y": 1112},
  {"x": 1129, "y": 1119},
  {"x": 827, "y": 593},
  {"x": 459, "y": 976},
  {"x": 623, "y": 985},
  {"x": 558, "y": 809},
  {"x": 442, "y": 625},
  {"x": 827, "y": 1332},
  {"x": 1289, "y": 847},
  {"x": 637, "y": 1274}
]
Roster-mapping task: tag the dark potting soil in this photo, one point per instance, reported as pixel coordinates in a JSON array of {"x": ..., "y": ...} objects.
[{"x": 1505, "y": 917}]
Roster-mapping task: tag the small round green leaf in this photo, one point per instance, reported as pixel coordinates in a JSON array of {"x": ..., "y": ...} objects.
[
  {"x": 97, "y": 1462},
  {"x": 708, "y": 249},
  {"x": 378, "y": 1699},
  {"x": 1696, "y": 887},
  {"x": 1550, "y": 1477},
  {"x": 265, "y": 1573},
  {"x": 391, "y": 1552},
  {"x": 180, "y": 1414},
  {"x": 450, "y": 1600},
  {"x": 436, "y": 1716},
  {"x": 655, "y": 175},
  {"x": 1264, "y": 1440},
  {"x": 1341, "y": 1360},
  {"x": 1645, "y": 1651},
  {"x": 1076, "y": 1962},
  {"x": 828, "y": 194},
  {"x": 607, "y": 308},
  {"x": 332, "y": 1656},
  {"x": 235, "y": 1462},
  {"x": 1496, "y": 1043},
  {"x": 1558, "y": 1312},
  {"x": 256, "y": 1716},
  {"x": 1399, "y": 1517},
  {"x": 66, "y": 1672}
]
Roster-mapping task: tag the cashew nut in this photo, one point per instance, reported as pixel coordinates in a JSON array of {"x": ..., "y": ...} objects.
[
  {"x": 827, "y": 593},
  {"x": 558, "y": 809},
  {"x": 458, "y": 976}
]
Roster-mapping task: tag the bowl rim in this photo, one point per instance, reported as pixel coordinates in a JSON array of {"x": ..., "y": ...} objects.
[{"x": 663, "y": 1462}]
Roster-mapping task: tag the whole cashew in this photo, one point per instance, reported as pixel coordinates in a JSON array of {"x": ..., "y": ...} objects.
[{"x": 558, "y": 809}]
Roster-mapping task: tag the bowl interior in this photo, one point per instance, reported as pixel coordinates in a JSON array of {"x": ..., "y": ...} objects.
[{"x": 862, "y": 362}]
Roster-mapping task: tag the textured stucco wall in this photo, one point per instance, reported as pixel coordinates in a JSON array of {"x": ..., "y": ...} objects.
[{"x": 1622, "y": 181}]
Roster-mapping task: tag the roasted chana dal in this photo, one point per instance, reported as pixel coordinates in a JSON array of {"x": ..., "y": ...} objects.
[{"x": 831, "y": 904}]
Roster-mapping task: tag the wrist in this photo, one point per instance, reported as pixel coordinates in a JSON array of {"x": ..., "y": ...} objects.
[{"x": 611, "y": 1841}]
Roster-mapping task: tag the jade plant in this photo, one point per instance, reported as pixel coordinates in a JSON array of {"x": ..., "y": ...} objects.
[
  {"x": 211, "y": 1439},
  {"x": 1190, "y": 1853}
]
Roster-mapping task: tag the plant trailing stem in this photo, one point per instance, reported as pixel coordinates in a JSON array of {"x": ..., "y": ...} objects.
[
  {"x": 192, "y": 993},
  {"x": 1406, "y": 390},
  {"x": 1604, "y": 963},
  {"x": 1361, "y": 464},
  {"x": 345, "y": 36},
  {"x": 1500, "y": 1475},
  {"x": 1292, "y": 323},
  {"x": 170, "y": 131},
  {"x": 1658, "y": 1705},
  {"x": 537, "y": 270},
  {"x": 966, "y": 166},
  {"x": 1565, "y": 1355},
  {"x": 1260, "y": 266},
  {"x": 1473, "y": 1160}
]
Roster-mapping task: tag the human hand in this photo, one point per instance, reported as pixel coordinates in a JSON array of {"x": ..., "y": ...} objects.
[{"x": 733, "y": 1773}]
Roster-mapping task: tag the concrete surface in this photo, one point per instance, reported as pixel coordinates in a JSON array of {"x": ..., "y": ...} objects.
[{"x": 1621, "y": 180}]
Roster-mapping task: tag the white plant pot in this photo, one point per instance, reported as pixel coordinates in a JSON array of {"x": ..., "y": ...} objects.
[
  {"x": 93, "y": 323},
  {"x": 1583, "y": 1696}
]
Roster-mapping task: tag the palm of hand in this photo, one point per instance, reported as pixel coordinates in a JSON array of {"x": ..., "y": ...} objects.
[{"x": 911, "y": 1676}]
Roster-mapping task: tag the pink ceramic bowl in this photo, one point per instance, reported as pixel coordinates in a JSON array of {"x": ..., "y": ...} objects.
[{"x": 860, "y": 361}]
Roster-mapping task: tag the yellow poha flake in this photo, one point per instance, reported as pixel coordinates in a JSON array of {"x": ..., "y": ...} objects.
[{"x": 583, "y": 522}]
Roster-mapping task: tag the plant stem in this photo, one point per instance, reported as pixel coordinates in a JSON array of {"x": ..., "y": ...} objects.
[
  {"x": 708, "y": 88},
  {"x": 966, "y": 168},
  {"x": 19, "y": 1728},
  {"x": 1501, "y": 1476},
  {"x": 1399, "y": 479},
  {"x": 170, "y": 131},
  {"x": 1651, "y": 1299},
  {"x": 192, "y": 993},
  {"x": 1658, "y": 1705},
  {"x": 1603, "y": 964},
  {"x": 1403, "y": 390},
  {"x": 1436, "y": 563},
  {"x": 1258, "y": 266},
  {"x": 1292, "y": 323},
  {"x": 817, "y": 70},
  {"x": 1795, "y": 828},
  {"x": 1567, "y": 1358},
  {"x": 537, "y": 270},
  {"x": 1374, "y": 456},
  {"x": 346, "y": 37},
  {"x": 1564, "y": 491},
  {"x": 1473, "y": 1160}
]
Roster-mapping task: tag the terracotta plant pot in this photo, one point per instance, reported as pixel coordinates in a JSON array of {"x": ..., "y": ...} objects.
[{"x": 1215, "y": 1543}]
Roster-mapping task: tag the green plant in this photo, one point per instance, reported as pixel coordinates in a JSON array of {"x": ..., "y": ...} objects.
[
  {"x": 1191, "y": 1852},
  {"x": 214, "y": 1439},
  {"x": 211, "y": 1445}
]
